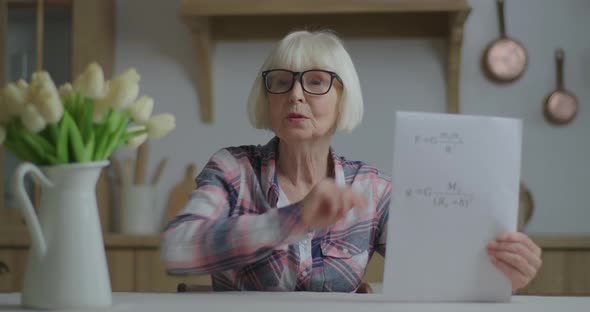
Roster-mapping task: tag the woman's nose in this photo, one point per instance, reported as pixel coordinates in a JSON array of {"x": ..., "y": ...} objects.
[{"x": 296, "y": 94}]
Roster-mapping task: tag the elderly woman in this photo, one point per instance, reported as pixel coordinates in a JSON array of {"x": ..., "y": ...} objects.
[{"x": 292, "y": 215}]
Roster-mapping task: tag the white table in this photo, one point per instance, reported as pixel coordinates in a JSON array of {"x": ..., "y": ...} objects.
[{"x": 309, "y": 302}]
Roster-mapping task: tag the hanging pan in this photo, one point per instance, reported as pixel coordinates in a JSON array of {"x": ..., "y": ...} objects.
[
  {"x": 505, "y": 59},
  {"x": 561, "y": 106}
]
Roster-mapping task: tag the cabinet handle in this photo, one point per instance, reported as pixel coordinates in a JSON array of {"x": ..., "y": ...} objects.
[{"x": 3, "y": 268}]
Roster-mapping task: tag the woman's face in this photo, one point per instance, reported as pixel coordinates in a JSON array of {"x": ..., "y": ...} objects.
[{"x": 297, "y": 115}]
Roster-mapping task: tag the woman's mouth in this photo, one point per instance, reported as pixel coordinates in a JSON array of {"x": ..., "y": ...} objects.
[{"x": 294, "y": 117}]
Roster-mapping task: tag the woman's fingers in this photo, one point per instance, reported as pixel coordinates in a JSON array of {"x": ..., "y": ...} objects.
[
  {"x": 518, "y": 237},
  {"x": 517, "y": 279},
  {"x": 517, "y": 262},
  {"x": 519, "y": 249}
]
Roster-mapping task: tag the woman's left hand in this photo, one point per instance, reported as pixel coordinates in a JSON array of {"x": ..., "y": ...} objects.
[{"x": 517, "y": 256}]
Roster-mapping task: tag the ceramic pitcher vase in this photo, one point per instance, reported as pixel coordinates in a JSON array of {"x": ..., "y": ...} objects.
[{"x": 66, "y": 265}]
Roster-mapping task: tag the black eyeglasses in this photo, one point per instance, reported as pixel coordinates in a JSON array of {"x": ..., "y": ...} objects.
[{"x": 314, "y": 81}]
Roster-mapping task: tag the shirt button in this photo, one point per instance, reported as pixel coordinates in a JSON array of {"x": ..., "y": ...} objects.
[
  {"x": 345, "y": 250},
  {"x": 304, "y": 273},
  {"x": 305, "y": 241}
]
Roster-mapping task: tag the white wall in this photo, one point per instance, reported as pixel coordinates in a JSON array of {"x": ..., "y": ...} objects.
[{"x": 395, "y": 75}]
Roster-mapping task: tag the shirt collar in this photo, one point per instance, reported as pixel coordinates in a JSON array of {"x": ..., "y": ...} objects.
[{"x": 268, "y": 173}]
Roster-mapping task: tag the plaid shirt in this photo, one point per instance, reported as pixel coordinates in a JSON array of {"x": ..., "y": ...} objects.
[{"x": 232, "y": 228}]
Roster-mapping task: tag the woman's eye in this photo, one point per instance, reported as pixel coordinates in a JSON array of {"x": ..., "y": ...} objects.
[{"x": 282, "y": 82}]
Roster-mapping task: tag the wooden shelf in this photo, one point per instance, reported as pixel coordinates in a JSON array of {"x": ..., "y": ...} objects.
[
  {"x": 212, "y": 20},
  {"x": 20, "y": 238}
]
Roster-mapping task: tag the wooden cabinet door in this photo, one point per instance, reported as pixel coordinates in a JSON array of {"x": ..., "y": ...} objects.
[
  {"x": 577, "y": 273},
  {"x": 121, "y": 264},
  {"x": 551, "y": 279},
  {"x": 12, "y": 271},
  {"x": 151, "y": 276}
]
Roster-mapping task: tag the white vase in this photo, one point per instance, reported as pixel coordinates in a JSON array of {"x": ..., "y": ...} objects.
[{"x": 67, "y": 265}]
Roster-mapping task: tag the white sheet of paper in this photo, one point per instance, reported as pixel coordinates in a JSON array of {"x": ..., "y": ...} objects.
[{"x": 455, "y": 186}]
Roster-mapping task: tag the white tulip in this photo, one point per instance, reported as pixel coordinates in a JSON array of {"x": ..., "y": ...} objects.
[
  {"x": 50, "y": 105},
  {"x": 160, "y": 125},
  {"x": 137, "y": 140},
  {"x": 141, "y": 110},
  {"x": 44, "y": 94},
  {"x": 32, "y": 119},
  {"x": 13, "y": 101},
  {"x": 91, "y": 82},
  {"x": 130, "y": 75},
  {"x": 22, "y": 84},
  {"x": 122, "y": 90},
  {"x": 2, "y": 135},
  {"x": 120, "y": 93},
  {"x": 66, "y": 91}
]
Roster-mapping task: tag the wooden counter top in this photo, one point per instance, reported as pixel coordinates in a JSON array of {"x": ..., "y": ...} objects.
[{"x": 20, "y": 238}]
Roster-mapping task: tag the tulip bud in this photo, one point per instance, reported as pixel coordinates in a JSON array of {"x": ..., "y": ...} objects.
[
  {"x": 50, "y": 105},
  {"x": 122, "y": 90},
  {"x": 141, "y": 110},
  {"x": 32, "y": 119},
  {"x": 137, "y": 140},
  {"x": 160, "y": 125},
  {"x": 66, "y": 91},
  {"x": 13, "y": 102},
  {"x": 91, "y": 82},
  {"x": 22, "y": 84},
  {"x": 44, "y": 94}
]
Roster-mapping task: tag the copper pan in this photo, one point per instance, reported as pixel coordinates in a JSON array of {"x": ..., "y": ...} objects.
[
  {"x": 505, "y": 59},
  {"x": 561, "y": 106},
  {"x": 526, "y": 206}
]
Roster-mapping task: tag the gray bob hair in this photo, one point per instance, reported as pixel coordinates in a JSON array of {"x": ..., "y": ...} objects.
[{"x": 301, "y": 50}]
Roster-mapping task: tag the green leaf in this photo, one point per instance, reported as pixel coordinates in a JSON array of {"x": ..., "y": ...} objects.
[
  {"x": 89, "y": 148},
  {"x": 102, "y": 135},
  {"x": 101, "y": 147},
  {"x": 27, "y": 152},
  {"x": 133, "y": 134},
  {"x": 87, "y": 121},
  {"x": 16, "y": 150},
  {"x": 115, "y": 139},
  {"x": 76, "y": 142},
  {"x": 62, "y": 141},
  {"x": 17, "y": 144},
  {"x": 39, "y": 143},
  {"x": 53, "y": 133}
]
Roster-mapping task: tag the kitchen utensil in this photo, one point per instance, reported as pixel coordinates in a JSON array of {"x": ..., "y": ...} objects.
[
  {"x": 505, "y": 59},
  {"x": 526, "y": 206},
  {"x": 159, "y": 170},
  {"x": 141, "y": 162},
  {"x": 561, "y": 106}
]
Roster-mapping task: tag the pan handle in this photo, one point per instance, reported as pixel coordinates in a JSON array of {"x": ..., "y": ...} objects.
[
  {"x": 559, "y": 57},
  {"x": 500, "y": 4}
]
